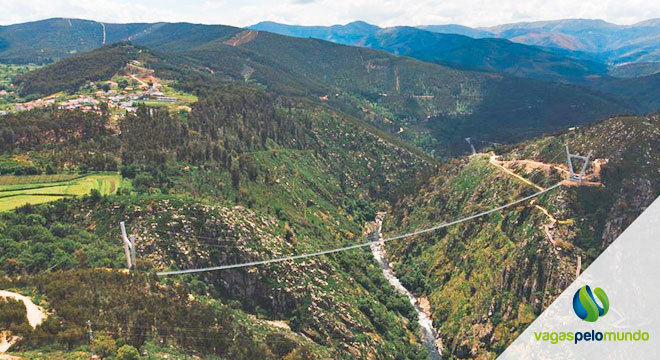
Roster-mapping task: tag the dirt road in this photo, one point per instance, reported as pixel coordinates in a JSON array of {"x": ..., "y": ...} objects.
[
  {"x": 493, "y": 160},
  {"x": 35, "y": 315}
]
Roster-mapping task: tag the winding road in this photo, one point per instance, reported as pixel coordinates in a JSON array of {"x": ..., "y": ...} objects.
[{"x": 35, "y": 316}]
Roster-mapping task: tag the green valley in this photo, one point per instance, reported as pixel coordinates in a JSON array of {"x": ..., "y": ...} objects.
[{"x": 267, "y": 166}]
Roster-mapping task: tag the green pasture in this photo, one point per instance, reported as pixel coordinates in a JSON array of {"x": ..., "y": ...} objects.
[{"x": 22, "y": 190}]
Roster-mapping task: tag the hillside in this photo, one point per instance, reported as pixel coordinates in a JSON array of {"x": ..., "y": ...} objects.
[
  {"x": 450, "y": 48},
  {"x": 497, "y": 55},
  {"x": 605, "y": 42},
  {"x": 615, "y": 43},
  {"x": 350, "y": 34},
  {"x": 287, "y": 146},
  {"x": 636, "y": 70},
  {"x": 72, "y": 73},
  {"x": 286, "y": 177},
  {"x": 457, "y": 29},
  {"x": 48, "y": 40},
  {"x": 494, "y": 55},
  {"x": 53, "y": 39},
  {"x": 485, "y": 281},
  {"x": 594, "y": 40},
  {"x": 430, "y": 105},
  {"x": 641, "y": 90},
  {"x": 245, "y": 175}
]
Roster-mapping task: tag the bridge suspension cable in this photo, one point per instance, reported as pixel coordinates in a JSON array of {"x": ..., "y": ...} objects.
[{"x": 359, "y": 245}]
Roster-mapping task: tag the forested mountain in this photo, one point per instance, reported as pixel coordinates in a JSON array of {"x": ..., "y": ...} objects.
[
  {"x": 642, "y": 89},
  {"x": 399, "y": 93},
  {"x": 615, "y": 43},
  {"x": 72, "y": 73},
  {"x": 246, "y": 175},
  {"x": 352, "y": 33},
  {"x": 457, "y": 29},
  {"x": 52, "y": 39},
  {"x": 620, "y": 46},
  {"x": 499, "y": 56},
  {"x": 436, "y": 106},
  {"x": 292, "y": 146},
  {"x": 48, "y": 40},
  {"x": 486, "y": 281},
  {"x": 572, "y": 48},
  {"x": 457, "y": 50}
]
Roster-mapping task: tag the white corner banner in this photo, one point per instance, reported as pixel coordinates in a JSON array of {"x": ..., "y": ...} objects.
[{"x": 611, "y": 311}]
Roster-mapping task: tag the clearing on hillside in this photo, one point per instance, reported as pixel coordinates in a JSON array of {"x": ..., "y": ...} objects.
[{"x": 16, "y": 191}]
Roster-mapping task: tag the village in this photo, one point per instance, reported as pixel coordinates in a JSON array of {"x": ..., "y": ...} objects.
[{"x": 123, "y": 93}]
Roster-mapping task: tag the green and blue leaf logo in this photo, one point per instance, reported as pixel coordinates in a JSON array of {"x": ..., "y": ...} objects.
[{"x": 585, "y": 305}]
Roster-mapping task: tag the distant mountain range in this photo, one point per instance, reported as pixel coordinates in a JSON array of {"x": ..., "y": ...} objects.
[
  {"x": 455, "y": 50},
  {"x": 593, "y": 40},
  {"x": 614, "y": 43},
  {"x": 566, "y": 50},
  {"x": 517, "y": 90}
]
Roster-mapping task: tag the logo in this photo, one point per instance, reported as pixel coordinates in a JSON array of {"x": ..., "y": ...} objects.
[
  {"x": 585, "y": 305},
  {"x": 587, "y": 308}
]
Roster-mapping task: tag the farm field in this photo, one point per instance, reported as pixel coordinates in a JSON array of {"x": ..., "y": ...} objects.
[
  {"x": 38, "y": 189},
  {"x": 20, "y": 181}
]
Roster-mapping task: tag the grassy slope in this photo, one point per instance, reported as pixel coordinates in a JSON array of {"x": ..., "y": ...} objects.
[{"x": 36, "y": 192}]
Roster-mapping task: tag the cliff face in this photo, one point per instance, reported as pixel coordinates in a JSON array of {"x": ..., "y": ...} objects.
[{"x": 488, "y": 278}]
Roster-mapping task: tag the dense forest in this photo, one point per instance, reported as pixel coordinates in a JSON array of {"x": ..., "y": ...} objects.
[
  {"x": 295, "y": 146},
  {"x": 57, "y": 140},
  {"x": 437, "y": 106},
  {"x": 277, "y": 170},
  {"x": 71, "y": 73},
  {"x": 225, "y": 123}
]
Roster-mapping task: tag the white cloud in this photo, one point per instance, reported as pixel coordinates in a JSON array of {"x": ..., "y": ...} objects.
[{"x": 327, "y": 12}]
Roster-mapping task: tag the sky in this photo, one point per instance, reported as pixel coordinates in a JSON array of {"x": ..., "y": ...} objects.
[{"x": 384, "y": 13}]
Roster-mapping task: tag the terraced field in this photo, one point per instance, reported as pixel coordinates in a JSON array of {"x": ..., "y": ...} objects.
[{"x": 16, "y": 191}]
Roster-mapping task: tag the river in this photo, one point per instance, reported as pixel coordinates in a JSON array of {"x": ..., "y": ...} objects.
[{"x": 429, "y": 335}]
